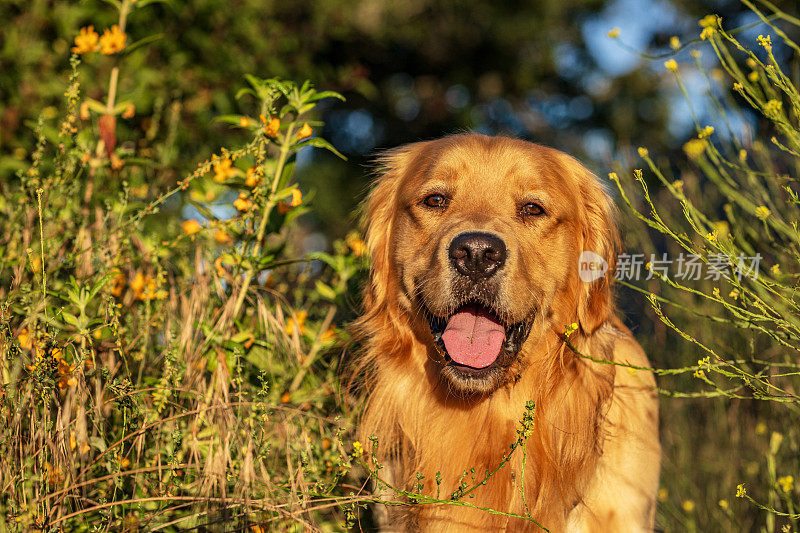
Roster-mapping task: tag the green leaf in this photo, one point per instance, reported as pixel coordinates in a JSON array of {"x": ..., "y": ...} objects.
[
  {"x": 144, "y": 40},
  {"x": 325, "y": 290},
  {"x": 286, "y": 175},
  {"x": 72, "y": 320},
  {"x": 327, "y": 94},
  {"x": 319, "y": 142},
  {"x": 229, "y": 119}
]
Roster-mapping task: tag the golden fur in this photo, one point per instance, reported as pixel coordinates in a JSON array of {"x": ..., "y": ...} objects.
[{"x": 592, "y": 459}]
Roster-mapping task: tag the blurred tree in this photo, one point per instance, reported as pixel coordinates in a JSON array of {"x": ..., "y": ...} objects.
[{"x": 411, "y": 70}]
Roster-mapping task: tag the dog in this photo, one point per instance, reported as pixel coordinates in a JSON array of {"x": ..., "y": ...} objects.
[{"x": 477, "y": 305}]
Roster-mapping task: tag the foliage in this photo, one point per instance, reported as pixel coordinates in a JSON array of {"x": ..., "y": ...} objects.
[
  {"x": 158, "y": 373},
  {"x": 735, "y": 198}
]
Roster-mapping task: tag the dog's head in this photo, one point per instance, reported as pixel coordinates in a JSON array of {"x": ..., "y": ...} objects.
[{"x": 479, "y": 242}]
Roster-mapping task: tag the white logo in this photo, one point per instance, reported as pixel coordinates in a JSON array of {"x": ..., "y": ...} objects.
[{"x": 591, "y": 266}]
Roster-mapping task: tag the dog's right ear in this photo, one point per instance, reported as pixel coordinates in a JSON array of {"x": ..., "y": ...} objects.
[{"x": 379, "y": 220}]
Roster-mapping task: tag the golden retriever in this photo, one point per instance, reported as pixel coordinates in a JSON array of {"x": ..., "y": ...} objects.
[{"x": 473, "y": 291}]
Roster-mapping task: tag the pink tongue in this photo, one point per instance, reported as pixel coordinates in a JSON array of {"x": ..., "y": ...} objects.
[{"x": 473, "y": 338}]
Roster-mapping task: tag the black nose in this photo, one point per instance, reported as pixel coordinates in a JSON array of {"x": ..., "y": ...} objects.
[{"x": 477, "y": 255}]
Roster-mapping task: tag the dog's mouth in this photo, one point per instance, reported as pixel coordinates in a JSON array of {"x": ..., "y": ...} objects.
[{"x": 474, "y": 339}]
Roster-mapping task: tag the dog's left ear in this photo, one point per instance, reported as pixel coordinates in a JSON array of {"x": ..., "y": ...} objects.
[{"x": 600, "y": 236}]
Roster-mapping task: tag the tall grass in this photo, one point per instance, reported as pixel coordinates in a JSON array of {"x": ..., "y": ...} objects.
[{"x": 160, "y": 373}]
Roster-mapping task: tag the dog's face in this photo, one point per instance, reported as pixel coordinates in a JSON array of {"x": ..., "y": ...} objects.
[{"x": 485, "y": 239}]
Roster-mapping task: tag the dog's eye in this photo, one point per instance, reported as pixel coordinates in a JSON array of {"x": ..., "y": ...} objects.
[
  {"x": 531, "y": 209},
  {"x": 435, "y": 200}
]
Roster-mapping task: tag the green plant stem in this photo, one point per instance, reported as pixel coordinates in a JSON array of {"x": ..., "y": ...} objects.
[
  {"x": 114, "y": 79},
  {"x": 262, "y": 226}
]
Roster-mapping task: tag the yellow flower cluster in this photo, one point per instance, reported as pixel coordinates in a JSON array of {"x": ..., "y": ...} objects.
[
  {"x": 671, "y": 65},
  {"x": 356, "y": 244},
  {"x": 766, "y": 42},
  {"x": 272, "y": 129},
  {"x": 763, "y": 212},
  {"x": 613, "y": 33},
  {"x": 86, "y": 41},
  {"x": 299, "y": 324},
  {"x": 146, "y": 288},
  {"x": 191, "y": 226},
  {"x": 224, "y": 169},
  {"x": 786, "y": 483},
  {"x": 112, "y": 41},
  {"x": 706, "y": 132},
  {"x": 741, "y": 491},
  {"x": 694, "y": 148}
]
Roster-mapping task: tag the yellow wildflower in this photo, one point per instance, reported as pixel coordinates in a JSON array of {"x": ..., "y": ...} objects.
[
  {"x": 219, "y": 268},
  {"x": 138, "y": 283},
  {"x": 328, "y": 335},
  {"x": 741, "y": 491},
  {"x": 613, "y": 33},
  {"x": 304, "y": 132},
  {"x": 763, "y": 212},
  {"x": 297, "y": 198},
  {"x": 742, "y": 155},
  {"x": 643, "y": 151},
  {"x": 223, "y": 170},
  {"x": 358, "y": 449},
  {"x": 299, "y": 323},
  {"x": 773, "y": 107},
  {"x": 734, "y": 294},
  {"x": 706, "y": 132},
  {"x": 221, "y": 237},
  {"x": 24, "y": 339},
  {"x": 253, "y": 179},
  {"x": 117, "y": 283},
  {"x": 688, "y": 506},
  {"x": 709, "y": 21},
  {"x": 570, "y": 329},
  {"x": 86, "y": 41},
  {"x": 766, "y": 42},
  {"x": 776, "y": 270},
  {"x": 613, "y": 176},
  {"x": 699, "y": 374},
  {"x": 112, "y": 41},
  {"x": 694, "y": 148},
  {"x": 272, "y": 129},
  {"x": 723, "y": 504},
  {"x": 357, "y": 245},
  {"x": 674, "y": 42},
  {"x": 243, "y": 203},
  {"x": 786, "y": 483},
  {"x": 244, "y": 122},
  {"x": 191, "y": 226},
  {"x": 671, "y": 64},
  {"x": 753, "y": 76},
  {"x": 707, "y": 33},
  {"x": 678, "y": 186}
]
